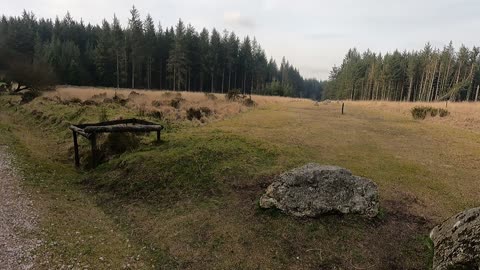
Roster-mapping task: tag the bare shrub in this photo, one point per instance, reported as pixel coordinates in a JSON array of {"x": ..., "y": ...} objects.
[
  {"x": 233, "y": 95},
  {"x": 29, "y": 96},
  {"x": 198, "y": 113}
]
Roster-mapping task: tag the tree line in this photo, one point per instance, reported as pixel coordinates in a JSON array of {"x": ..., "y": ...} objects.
[
  {"x": 427, "y": 75},
  {"x": 143, "y": 55}
]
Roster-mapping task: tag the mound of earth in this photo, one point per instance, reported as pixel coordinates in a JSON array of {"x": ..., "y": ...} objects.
[{"x": 314, "y": 190}]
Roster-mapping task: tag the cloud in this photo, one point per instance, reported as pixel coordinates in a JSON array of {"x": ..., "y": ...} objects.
[
  {"x": 323, "y": 36},
  {"x": 235, "y": 19}
]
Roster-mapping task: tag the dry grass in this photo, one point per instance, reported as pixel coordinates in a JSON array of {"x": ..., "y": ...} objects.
[
  {"x": 462, "y": 114},
  {"x": 426, "y": 170},
  {"x": 152, "y": 101}
]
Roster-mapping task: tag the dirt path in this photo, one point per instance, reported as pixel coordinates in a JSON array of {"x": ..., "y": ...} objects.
[{"x": 18, "y": 220}]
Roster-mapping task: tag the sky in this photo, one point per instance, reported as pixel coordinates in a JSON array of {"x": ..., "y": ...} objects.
[{"x": 313, "y": 35}]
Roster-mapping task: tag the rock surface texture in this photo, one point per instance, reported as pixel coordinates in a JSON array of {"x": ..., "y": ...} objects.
[
  {"x": 457, "y": 242},
  {"x": 314, "y": 190}
]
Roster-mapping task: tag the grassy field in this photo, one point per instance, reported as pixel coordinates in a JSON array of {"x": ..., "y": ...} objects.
[{"x": 191, "y": 202}]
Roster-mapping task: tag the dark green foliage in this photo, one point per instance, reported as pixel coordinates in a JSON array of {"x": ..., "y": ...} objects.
[
  {"x": 28, "y": 96},
  {"x": 421, "y": 112},
  {"x": 427, "y": 75},
  {"x": 198, "y": 113},
  {"x": 39, "y": 53}
]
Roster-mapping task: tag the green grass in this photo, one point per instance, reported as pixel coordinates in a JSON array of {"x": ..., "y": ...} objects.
[
  {"x": 186, "y": 164},
  {"x": 191, "y": 202}
]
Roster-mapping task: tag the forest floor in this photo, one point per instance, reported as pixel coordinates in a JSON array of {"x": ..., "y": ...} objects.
[{"x": 191, "y": 202}]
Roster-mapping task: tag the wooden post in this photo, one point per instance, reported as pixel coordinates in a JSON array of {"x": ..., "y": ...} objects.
[
  {"x": 75, "y": 146},
  {"x": 446, "y": 103},
  {"x": 343, "y": 107},
  {"x": 93, "y": 140},
  {"x": 158, "y": 135}
]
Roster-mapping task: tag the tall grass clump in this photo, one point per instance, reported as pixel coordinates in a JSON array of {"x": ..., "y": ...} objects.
[{"x": 421, "y": 112}]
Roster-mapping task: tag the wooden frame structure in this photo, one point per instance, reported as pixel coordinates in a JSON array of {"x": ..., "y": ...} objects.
[{"x": 90, "y": 131}]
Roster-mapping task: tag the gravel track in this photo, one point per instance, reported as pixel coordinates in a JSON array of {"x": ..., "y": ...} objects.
[{"x": 18, "y": 218}]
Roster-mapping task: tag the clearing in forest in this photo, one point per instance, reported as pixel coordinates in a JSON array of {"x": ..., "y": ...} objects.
[{"x": 191, "y": 202}]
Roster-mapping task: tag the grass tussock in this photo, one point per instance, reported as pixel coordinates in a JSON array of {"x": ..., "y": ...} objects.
[{"x": 421, "y": 112}]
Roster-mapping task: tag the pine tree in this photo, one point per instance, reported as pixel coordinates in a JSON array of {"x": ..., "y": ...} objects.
[{"x": 136, "y": 40}]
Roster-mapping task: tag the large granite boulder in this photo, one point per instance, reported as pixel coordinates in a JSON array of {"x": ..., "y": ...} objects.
[
  {"x": 457, "y": 242},
  {"x": 314, "y": 189}
]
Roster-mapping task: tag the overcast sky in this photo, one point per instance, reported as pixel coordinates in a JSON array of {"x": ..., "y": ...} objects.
[{"x": 312, "y": 35}]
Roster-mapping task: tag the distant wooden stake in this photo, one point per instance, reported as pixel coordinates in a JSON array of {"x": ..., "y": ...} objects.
[{"x": 343, "y": 107}]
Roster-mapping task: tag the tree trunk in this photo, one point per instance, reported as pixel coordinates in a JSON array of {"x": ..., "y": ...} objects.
[
  {"x": 410, "y": 86},
  {"x": 212, "y": 88},
  {"x": 160, "y": 77},
  {"x": 118, "y": 71},
  {"x": 430, "y": 91},
  {"x": 174, "y": 78},
  {"x": 133, "y": 73},
  {"x": 458, "y": 73},
  {"x": 229, "y": 79},
  {"x": 476, "y": 95},
  {"x": 251, "y": 86},
  {"x": 223, "y": 78},
  {"x": 244, "y": 82}
]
